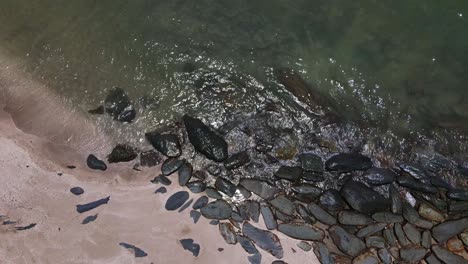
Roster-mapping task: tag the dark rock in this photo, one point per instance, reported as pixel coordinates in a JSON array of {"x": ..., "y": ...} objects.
[
  {"x": 395, "y": 199},
  {"x": 176, "y": 200},
  {"x": 348, "y": 243},
  {"x": 301, "y": 231},
  {"x": 127, "y": 115},
  {"x": 201, "y": 175},
  {"x": 171, "y": 165},
  {"x": 414, "y": 170},
  {"x": 409, "y": 213},
  {"x": 167, "y": 144},
  {"x": 447, "y": 256},
  {"x": 304, "y": 246},
  {"x": 122, "y": 153},
  {"x": 213, "y": 193},
  {"x": 362, "y": 198},
  {"x": 305, "y": 214},
  {"x": 150, "y": 158},
  {"x": 289, "y": 173},
  {"x": 385, "y": 256},
  {"x": 161, "y": 189},
  {"x": 430, "y": 213},
  {"x": 264, "y": 239},
  {"x": 237, "y": 160},
  {"x": 247, "y": 244},
  {"x": 218, "y": 209},
  {"x": 200, "y": 202},
  {"x": 341, "y": 259},
  {"x": 196, "y": 186},
  {"x": 118, "y": 105},
  {"x": 432, "y": 259},
  {"x": 413, "y": 184},
  {"x": 323, "y": 254},
  {"x": 244, "y": 192},
  {"x": 71, "y": 167},
  {"x": 390, "y": 237},
  {"x": 204, "y": 140},
  {"x": 138, "y": 252},
  {"x": 354, "y": 218},
  {"x": 253, "y": 208},
  {"x": 185, "y": 174},
  {"x": 345, "y": 162},
  {"x": 268, "y": 218},
  {"x": 77, "y": 190},
  {"x": 412, "y": 253},
  {"x": 331, "y": 200},
  {"x": 283, "y": 204},
  {"x": 89, "y": 219},
  {"x": 311, "y": 162},
  {"x": 426, "y": 239},
  {"x": 195, "y": 215},
  {"x": 401, "y": 235},
  {"x": 412, "y": 233},
  {"x": 243, "y": 211},
  {"x": 260, "y": 188},
  {"x": 228, "y": 233},
  {"x": 22, "y": 228},
  {"x": 225, "y": 186},
  {"x": 95, "y": 163},
  {"x": 444, "y": 231},
  {"x": 186, "y": 205},
  {"x": 283, "y": 217},
  {"x": 307, "y": 190},
  {"x": 81, "y": 208},
  {"x": 236, "y": 218},
  {"x": 311, "y": 176},
  {"x": 458, "y": 206},
  {"x": 370, "y": 230},
  {"x": 379, "y": 176},
  {"x": 255, "y": 258},
  {"x": 387, "y": 217},
  {"x": 366, "y": 258},
  {"x": 214, "y": 222},
  {"x": 188, "y": 244},
  {"x": 438, "y": 182},
  {"x": 321, "y": 214},
  {"x": 97, "y": 111},
  {"x": 459, "y": 195}
]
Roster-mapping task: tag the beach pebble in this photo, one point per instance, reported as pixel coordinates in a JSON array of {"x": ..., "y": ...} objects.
[
  {"x": 305, "y": 215},
  {"x": 289, "y": 173},
  {"x": 312, "y": 176},
  {"x": 379, "y": 176},
  {"x": 412, "y": 233},
  {"x": 185, "y": 173},
  {"x": 161, "y": 189},
  {"x": 260, "y": 188},
  {"x": 414, "y": 170},
  {"x": 400, "y": 234},
  {"x": 171, "y": 165},
  {"x": 89, "y": 219},
  {"x": 81, "y": 208},
  {"x": 409, "y": 213},
  {"x": 346, "y": 242},
  {"x": 301, "y": 231},
  {"x": 185, "y": 206},
  {"x": 138, "y": 252},
  {"x": 395, "y": 200},
  {"x": 366, "y": 258},
  {"x": 96, "y": 164},
  {"x": 459, "y": 195},
  {"x": 200, "y": 202},
  {"x": 412, "y": 253},
  {"x": 225, "y": 186},
  {"x": 264, "y": 239},
  {"x": 305, "y": 246},
  {"x": 345, "y": 162},
  {"x": 375, "y": 242},
  {"x": 195, "y": 215},
  {"x": 122, "y": 153},
  {"x": 253, "y": 209},
  {"x": 331, "y": 200},
  {"x": 320, "y": 214},
  {"x": 370, "y": 229},
  {"x": 387, "y": 217},
  {"x": 167, "y": 144},
  {"x": 385, "y": 256},
  {"x": 413, "y": 184},
  {"x": 77, "y": 190},
  {"x": 306, "y": 192},
  {"x": 347, "y": 217},
  {"x": 190, "y": 245},
  {"x": 430, "y": 213},
  {"x": 362, "y": 198},
  {"x": 247, "y": 244},
  {"x": 218, "y": 209},
  {"x": 432, "y": 259},
  {"x": 322, "y": 253},
  {"x": 455, "y": 245},
  {"x": 389, "y": 236},
  {"x": 283, "y": 204},
  {"x": 268, "y": 217},
  {"x": 447, "y": 256},
  {"x": 162, "y": 179},
  {"x": 196, "y": 186},
  {"x": 311, "y": 162},
  {"x": 237, "y": 160},
  {"x": 228, "y": 233},
  {"x": 426, "y": 239},
  {"x": 213, "y": 193},
  {"x": 176, "y": 200},
  {"x": 446, "y": 230},
  {"x": 150, "y": 158}
]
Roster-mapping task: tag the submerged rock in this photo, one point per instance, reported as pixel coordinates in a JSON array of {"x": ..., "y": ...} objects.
[
  {"x": 449, "y": 229},
  {"x": 237, "y": 160},
  {"x": 362, "y": 198},
  {"x": 176, "y": 200},
  {"x": 345, "y": 162},
  {"x": 311, "y": 162},
  {"x": 122, "y": 153},
  {"x": 161, "y": 189},
  {"x": 289, "y": 173},
  {"x": 379, "y": 176},
  {"x": 204, "y": 140},
  {"x": 118, "y": 105},
  {"x": 95, "y": 163},
  {"x": 171, "y": 165},
  {"x": 346, "y": 242},
  {"x": 190, "y": 245},
  {"x": 218, "y": 209},
  {"x": 77, "y": 190},
  {"x": 264, "y": 239},
  {"x": 167, "y": 144},
  {"x": 301, "y": 231},
  {"x": 228, "y": 233},
  {"x": 97, "y": 111},
  {"x": 260, "y": 188}
]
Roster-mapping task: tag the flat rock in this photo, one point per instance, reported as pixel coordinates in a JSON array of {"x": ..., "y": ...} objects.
[
  {"x": 385, "y": 256},
  {"x": 413, "y": 184},
  {"x": 190, "y": 245},
  {"x": 150, "y": 158},
  {"x": 247, "y": 244},
  {"x": 322, "y": 253},
  {"x": 237, "y": 160},
  {"x": 362, "y": 198},
  {"x": 430, "y": 213},
  {"x": 412, "y": 253},
  {"x": 348, "y": 217},
  {"x": 412, "y": 233},
  {"x": 204, "y": 140},
  {"x": 379, "y": 176},
  {"x": 77, "y": 190},
  {"x": 228, "y": 233},
  {"x": 346, "y": 162},
  {"x": 331, "y": 200},
  {"x": 200, "y": 202},
  {"x": 195, "y": 215},
  {"x": 167, "y": 144},
  {"x": 171, "y": 165},
  {"x": 414, "y": 170},
  {"x": 283, "y": 204},
  {"x": 96, "y": 164},
  {"x": 161, "y": 189},
  {"x": 304, "y": 246},
  {"x": 268, "y": 217},
  {"x": 459, "y": 195},
  {"x": 196, "y": 186},
  {"x": 395, "y": 200},
  {"x": 253, "y": 209},
  {"x": 122, "y": 153},
  {"x": 409, "y": 213},
  {"x": 301, "y": 231},
  {"x": 389, "y": 236},
  {"x": 366, "y": 258},
  {"x": 118, "y": 105},
  {"x": 387, "y": 217},
  {"x": 426, "y": 239},
  {"x": 264, "y": 239},
  {"x": 400, "y": 234},
  {"x": 260, "y": 188},
  {"x": 225, "y": 186},
  {"x": 289, "y": 173},
  {"x": 218, "y": 209},
  {"x": 444, "y": 231},
  {"x": 320, "y": 214},
  {"x": 370, "y": 230},
  {"x": 346, "y": 242},
  {"x": 176, "y": 200},
  {"x": 375, "y": 242},
  {"x": 447, "y": 256},
  {"x": 185, "y": 173},
  {"x": 311, "y": 162}
]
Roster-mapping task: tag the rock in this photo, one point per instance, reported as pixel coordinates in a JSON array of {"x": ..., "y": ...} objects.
[
  {"x": 464, "y": 238},
  {"x": 455, "y": 245},
  {"x": 77, "y": 190},
  {"x": 167, "y": 144},
  {"x": 138, "y": 252},
  {"x": 89, "y": 219},
  {"x": 269, "y": 159},
  {"x": 459, "y": 195},
  {"x": 260, "y": 188},
  {"x": 200, "y": 202},
  {"x": 390, "y": 237},
  {"x": 225, "y": 186},
  {"x": 204, "y": 140},
  {"x": 253, "y": 208},
  {"x": 362, "y": 198},
  {"x": 289, "y": 173},
  {"x": 321, "y": 214},
  {"x": 432, "y": 259},
  {"x": 395, "y": 199},
  {"x": 188, "y": 244},
  {"x": 438, "y": 182},
  {"x": 447, "y": 256},
  {"x": 311, "y": 176},
  {"x": 82, "y": 208},
  {"x": 444, "y": 231},
  {"x": 346, "y": 162},
  {"x": 283, "y": 204},
  {"x": 283, "y": 217},
  {"x": 243, "y": 192},
  {"x": 286, "y": 152},
  {"x": 421, "y": 223},
  {"x": 247, "y": 244},
  {"x": 347, "y": 243},
  {"x": 218, "y": 209},
  {"x": 304, "y": 246},
  {"x": 400, "y": 234},
  {"x": 228, "y": 233},
  {"x": 264, "y": 239},
  {"x": 430, "y": 213},
  {"x": 163, "y": 180},
  {"x": 214, "y": 222},
  {"x": 301, "y": 231},
  {"x": 311, "y": 162},
  {"x": 150, "y": 158},
  {"x": 196, "y": 186},
  {"x": 185, "y": 206},
  {"x": 414, "y": 170},
  {"x": 412, "y": 233},
  {"x": 331, "y": 200},
  {"x": 176, "y": 200},
  {"x": 375, "y": 242},
  {"x": 127, "y": 115},
  {"x": 118, "y": 105},
  {"x": 213, "y": 193},
  {"x": 412, "y": 253},
  {"x": 413, "y": 184},
  {"x": 341, "y": 259},
  {"x": 161, "y": 189},
  {"x": 95, "y": 163},
  {"x": 237, "y": 160},
  {"x": 185, "y": 173},
  {"x": 171, "y": 165},
  {"x": 97, "y": 111},
  {"x": 426, "y": 239},
  {"x": 458, "y": 206},
  {"x": 379, "y": 176},
  {"x": 366, "y": 258},
  {"x": 268, "y": 217},
  {"x": 255, "y": 258},
  {"x": 395, "y": 252},
  {"x": 370, "y": 230},
  {"x": 322, "y": 253},
  {"x": 353, "y": 218},
  {"x": 409, "y": 213},
  {"x": 305, "y": 214},
  {"x": 308, "y": 191},
  {"x": 387, "y": 217},
  {"x": 385, "y": 256},
  {"x": 195, "y": 215},
  {"x": 213, "y": 169}
]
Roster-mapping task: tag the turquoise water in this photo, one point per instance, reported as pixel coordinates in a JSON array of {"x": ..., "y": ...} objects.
[{"x": 399, "y": 64}]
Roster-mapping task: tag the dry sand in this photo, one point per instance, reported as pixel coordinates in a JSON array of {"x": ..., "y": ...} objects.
[{"x": 39, "y": 137}]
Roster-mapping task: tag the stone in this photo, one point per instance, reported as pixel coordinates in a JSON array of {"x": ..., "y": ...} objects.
[
  {"x": 362, "y": 198},
  {"x": 247, "y": 244},
  {"x": 308, "y": 190},
  {"x": 225, "y": 186},
  {"x": 283, "y": 204},
  {"x": 268, "y": 217},
  {"x": 412, "y": 253},
  {"x": 461, "y": 206},
  {"x": 447, "y": 256},
  {"x": 390, "y": 237},
  {"x": 167, "y": 144},
  {"x": 97, "y": 111},
  {"x": 200, "y": 202},
  {"x": 301, "y": 231},
  {"x": 204, "y": 140},
  {"x": 426, "y": 239},
  {"x": 385, "y": 256},
  {"x": 218, "y": 210},
  {"x": 413, "y": 184},
  {"x": 186, "y": 205},
  {"x": 195, "y": 215},
  {"x": 459, "y": 195},
  {"x": 412, "y": 233},
  {"x": 176, "y": 200},
  {"x": 322, "y": 253},
  {"x": 118, "y": 105},
  {"x": 161, "y": 190},
  {"x": 77, "y": 190},
  {"x": 289, "y": 173},
  {"x": 366, "y": 258},
  {"x": 395, "y": 199},
  {"x": 304, "y": 246},
  {"x": 455, "y": 245},
  {"x": 260, "y": 188},
  {"x": 409, "y": 213},
  {"x": 387, "y": 217},
  {"x": 122, "y": 153},
  {"x": 213, "y": 193},
  {"x": 243, "y": 192},
  {"x": 346, "y": 162},
  {"x": 171, "y": 165},
  {"x": 347, "y": 217},
  {"x": 311, "y": 162},
  {"x": 425, "y": 224},
  {"x": 237, "y": 160},
  {"x": 163, "y": 180},
  {"x": 400, "y": 234},
  {"x": 196, "y": 186},
  {"x": 414, "y": 170},
  {"x": 379, "y": 176},
  {"x": 190, "y": 245},
  {"x": 370, "y": 230},
  {"x": 264, "y": 239},
  {"x": 375, "y": 242},
  {"x": 228, "y": 233},
  {"x": 82, "y": 208},
  {"x": 432, "y": 259},
  {"x": 347, "y": 243},
  {"x": 253, "y": 209},
  {"x": 138, "y": 252},
  {"x": 89, "y": 219},
  {"x": 311, "y": 176},
  {"x": 96, "y": 164},
  {"x": 430, "y": 213},
  {"x": 464, "y": 238},
  {"x": 446, "y": 230},
  {"x": 150, "y": 158},
  {"x": 321, "y": 214},
  {"x": 185, "y": 173},
  {"x": 331, "y": 200}
]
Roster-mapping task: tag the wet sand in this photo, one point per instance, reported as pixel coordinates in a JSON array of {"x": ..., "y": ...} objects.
[{"x": 39, "y": 137}]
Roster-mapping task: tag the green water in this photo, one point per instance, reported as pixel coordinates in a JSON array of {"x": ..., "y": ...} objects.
[{"x": 400, "y": 64}]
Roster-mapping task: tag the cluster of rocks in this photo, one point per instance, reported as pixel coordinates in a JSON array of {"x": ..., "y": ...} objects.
[{"x": 341, "y": 206}]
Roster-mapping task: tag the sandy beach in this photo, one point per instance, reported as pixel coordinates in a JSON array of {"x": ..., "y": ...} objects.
[{"x": 39, "y": 137}]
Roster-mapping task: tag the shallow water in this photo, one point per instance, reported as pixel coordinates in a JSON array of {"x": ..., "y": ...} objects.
[{"x": 400, "y": 65}]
